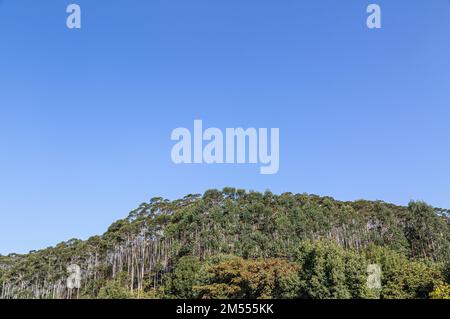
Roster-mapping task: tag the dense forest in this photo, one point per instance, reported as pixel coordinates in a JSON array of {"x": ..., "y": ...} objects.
[{"x": 238, "y": 244}]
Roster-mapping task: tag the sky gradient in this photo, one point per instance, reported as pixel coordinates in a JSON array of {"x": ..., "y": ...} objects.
[{"x": 86, "y": 115}]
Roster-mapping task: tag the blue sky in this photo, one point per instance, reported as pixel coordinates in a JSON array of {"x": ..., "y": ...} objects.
[{"x": 86, "y": 115}]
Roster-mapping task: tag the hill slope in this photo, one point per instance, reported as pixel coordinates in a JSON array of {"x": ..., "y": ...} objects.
[{"x": 238, "y": 244}]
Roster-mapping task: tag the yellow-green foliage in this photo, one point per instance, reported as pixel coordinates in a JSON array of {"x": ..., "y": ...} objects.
[{"x": 441, "y": 291}]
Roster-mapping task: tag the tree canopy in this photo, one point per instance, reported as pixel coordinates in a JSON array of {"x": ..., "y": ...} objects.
[{"x": 233, "y": 243}]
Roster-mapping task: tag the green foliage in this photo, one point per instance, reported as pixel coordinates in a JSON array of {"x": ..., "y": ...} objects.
[
  {"x": 403, "y": 278},
  {"x": 328, "y": 271},
  {"x": 428, "y": 236},
  {"x": 446, "y": 272},
  {"x": 185, "y": 275},
  {"x": 116, "y": 288}
]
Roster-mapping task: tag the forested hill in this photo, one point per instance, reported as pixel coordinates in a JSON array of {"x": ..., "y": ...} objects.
[{"x": 238, "y": 244}]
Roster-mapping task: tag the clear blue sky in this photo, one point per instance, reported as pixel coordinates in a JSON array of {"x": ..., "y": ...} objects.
[{"x": 86, "y": 116}]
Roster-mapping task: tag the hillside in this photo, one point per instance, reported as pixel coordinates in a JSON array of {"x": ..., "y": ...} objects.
[{"x": 238, "y": 244}]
